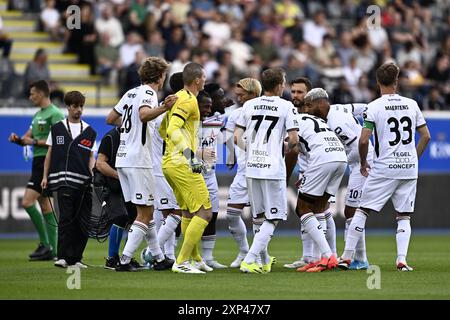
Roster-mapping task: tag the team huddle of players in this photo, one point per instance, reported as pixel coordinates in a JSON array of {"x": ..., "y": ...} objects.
[{"x": 167, "y": 154}]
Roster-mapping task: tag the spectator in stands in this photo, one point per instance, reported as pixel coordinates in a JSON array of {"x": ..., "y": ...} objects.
[
  {"x": 296, "y": 30},
  {"x": 314, "y": 30},
  {"x": 127, "y": 51},
  {"x": 174, "y": 44},
  {"x": 82, "y": 41},
  {"x": 5, "y": 41},
  {"x": 132, "y": 78},
  {"x": 241, "y": 52},
  {"x": 409, "y": 52},
  {"x": 50, "y": 19},
  {"x": 434, "y": 100},
  {"x": 218, "y": 30},
  {"x": 154, "y": 47},
  {"x": 352, "y": 73},
  {"x": 107, "y": 57},
  {"x": 342, "y": 94},
  {"x": 361, "y": 92},
  {"x": 203, "y": 10},
  {"x": 439, "y": 71},
  {"x": 56, "y": 93},
  {"x": 323, "y": 55},
  {"x": 345, "y": 49},
  {"x": 365, "y": 56},
  {"x": 37, "y": 69},
  {"x": 178, "y": 64},
  {"x": 265, "y": 48},
  {"x": 137, "y": 14},
  {"x": 180, "y": 10},
  {"x": 107, "y": 22},
  {"x": 288, "y": 10}
]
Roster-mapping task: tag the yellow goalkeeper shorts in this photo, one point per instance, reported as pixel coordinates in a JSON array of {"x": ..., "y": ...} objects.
[{"x": 189, "y": 188}]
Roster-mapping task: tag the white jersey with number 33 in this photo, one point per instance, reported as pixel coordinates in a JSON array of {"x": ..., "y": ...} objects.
[
  {"x": 266, "y": 120},
  {"x": 135, "y": 135},
  {"x": 394, "y": 120}
]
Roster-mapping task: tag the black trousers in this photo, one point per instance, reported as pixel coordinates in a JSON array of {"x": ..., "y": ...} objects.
[{"x": 74, "y": 209}]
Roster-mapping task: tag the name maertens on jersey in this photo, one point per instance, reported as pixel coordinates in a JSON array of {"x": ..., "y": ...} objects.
[
  {"x": 264, "y": 107},
  {"x": 395, "y": 108}
]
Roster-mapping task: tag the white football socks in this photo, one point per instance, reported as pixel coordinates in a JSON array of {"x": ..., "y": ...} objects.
[
  {"x": 354, "y": 234},
  {"x": 237, "y": 228},
  {"x": 208, "y": 244},
  {"x": 167, "y": 230},
  {"x": 403, "y": 237},
  {"x": 331, "y": 230},
  {"x": 360, "y": 249},
  {"x": 260, "y": 243},
  {"x": 307, "y": 244},
  {"x": 137, "y": 233},
  {"x": 315, "y": 230},
  {"x": 152, "y": 242}
]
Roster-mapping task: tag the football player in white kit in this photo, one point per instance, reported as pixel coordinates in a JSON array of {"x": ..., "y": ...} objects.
[
  {"x": 394, "y": 120},
  {"x": 266, "y": 120},
  {"x": 326, "y": 165},
  {"x": 340, "y": 119},
  {"x": 133, "y": 113},
  {"x": 209, "y": 137},
  {"x": 246, "y": 89}
]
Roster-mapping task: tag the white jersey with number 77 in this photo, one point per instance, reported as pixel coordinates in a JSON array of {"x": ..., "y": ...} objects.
[{"x": 266, "y": 120}]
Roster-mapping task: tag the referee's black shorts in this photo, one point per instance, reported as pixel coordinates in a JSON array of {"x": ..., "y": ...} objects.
[{"x": 37, "y": 172}]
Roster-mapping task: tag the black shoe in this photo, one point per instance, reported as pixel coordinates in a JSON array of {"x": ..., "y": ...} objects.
[
  {"x": 41, "y": 250},
  {"x": 135, "y": 264},
  {"x": 163, "y": 265},
  {"x": 112, "y": 262},
  {"x": 46, "y": 256},
  {"x": 126, "y": 267}
]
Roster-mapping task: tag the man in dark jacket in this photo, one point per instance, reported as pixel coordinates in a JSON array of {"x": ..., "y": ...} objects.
[{"x": 68, "y": 172}]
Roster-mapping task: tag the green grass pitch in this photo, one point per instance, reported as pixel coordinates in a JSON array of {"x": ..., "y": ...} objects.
[{"x": 430, "y": 255}]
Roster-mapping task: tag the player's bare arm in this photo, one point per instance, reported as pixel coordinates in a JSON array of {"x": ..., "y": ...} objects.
[
  {"x": 364, "y": 149},
  {"x": 424, "y": 139},
  {"x": 238, "y": 134},
  {"x": 148, "y": 113},
  {"x": 103, "y": 166},
  {"x": 44, "y": 182},
  {"x": 114, "y": 118}
]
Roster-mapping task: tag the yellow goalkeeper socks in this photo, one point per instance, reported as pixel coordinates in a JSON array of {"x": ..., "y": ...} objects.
[{"x": 192, "y": 235}]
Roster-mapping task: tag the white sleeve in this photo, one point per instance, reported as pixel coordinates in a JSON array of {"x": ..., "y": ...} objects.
[
  {"x": 119, "y": 107},
  {"x": 148, "y": 98},
  {"x": 291, "y": 119},
  {"x": 359, "y": 108},
  {"x": 49, "y": 139},
  {"x": 420, "y": 120},
  {"x": 231, "y": 122},
  {"x": 242, "y": 121},
  {"x": 370, "y": 115}
]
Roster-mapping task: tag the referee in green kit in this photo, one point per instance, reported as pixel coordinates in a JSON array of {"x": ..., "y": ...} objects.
[{"x": 36, "y": 136}]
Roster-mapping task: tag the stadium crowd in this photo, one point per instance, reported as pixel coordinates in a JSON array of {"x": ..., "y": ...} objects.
[{"x": 334, "y": 43}]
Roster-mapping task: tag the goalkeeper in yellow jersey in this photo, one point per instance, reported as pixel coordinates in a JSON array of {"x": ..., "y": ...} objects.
[{"x": 183, "y": 170}]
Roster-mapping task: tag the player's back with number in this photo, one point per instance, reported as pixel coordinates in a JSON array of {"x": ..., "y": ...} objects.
[
  {"x": 318, "y": 141},
  {"x": 134, "y": 148},
  {"x": 395, "y": 120},
  {"x": 266, "y": 119}
]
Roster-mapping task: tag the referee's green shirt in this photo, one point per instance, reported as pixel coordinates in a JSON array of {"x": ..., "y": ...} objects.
[{"x": 41, "y": 124}]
